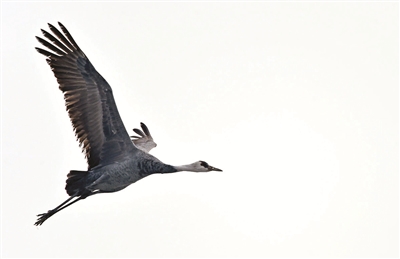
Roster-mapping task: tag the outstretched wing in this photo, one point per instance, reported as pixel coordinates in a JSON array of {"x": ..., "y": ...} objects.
[
  {"x": 144, "y": 141},
  {"x": 88, "y": 99}
]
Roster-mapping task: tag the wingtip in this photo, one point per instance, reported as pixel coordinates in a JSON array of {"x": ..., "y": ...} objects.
[
  {"x": 145, "y": 129},
  {"x": 139, "y": 132},
  {"x": 61, "y": 25}
]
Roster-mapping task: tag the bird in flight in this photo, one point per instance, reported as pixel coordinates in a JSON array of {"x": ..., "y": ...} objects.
[{"x": 115, "y": 160}]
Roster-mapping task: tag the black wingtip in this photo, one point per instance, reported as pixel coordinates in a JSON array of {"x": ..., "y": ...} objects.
[
  {"x": 61, "y": 25},
  {"x": 47, "y": 54},
  {"x": 145, "y": 129},
  {"x": 139, "y": 132}
]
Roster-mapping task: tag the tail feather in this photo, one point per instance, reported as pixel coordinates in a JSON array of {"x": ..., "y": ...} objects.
[{"x": 75, "y": 182}]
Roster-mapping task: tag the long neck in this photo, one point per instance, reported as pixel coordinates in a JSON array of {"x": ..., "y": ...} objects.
[
  {"x": 153, "y": 165},
  {"x": 194, "y": 167},
  {"x": 180, "y": 168}
]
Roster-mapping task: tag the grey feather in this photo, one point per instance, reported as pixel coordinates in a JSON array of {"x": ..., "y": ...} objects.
[{"x": 144, "y": 141}]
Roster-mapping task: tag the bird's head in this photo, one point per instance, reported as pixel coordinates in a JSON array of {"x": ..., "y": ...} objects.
[
  {"x": 199, "y": 166},
  {"x": 202, "y": 166}
]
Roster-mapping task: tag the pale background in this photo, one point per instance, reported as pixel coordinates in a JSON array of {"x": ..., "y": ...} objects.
[{"x": 296, "y": 102}]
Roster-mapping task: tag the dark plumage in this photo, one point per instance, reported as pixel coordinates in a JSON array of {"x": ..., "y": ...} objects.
[{"x": 114, "y": 161}]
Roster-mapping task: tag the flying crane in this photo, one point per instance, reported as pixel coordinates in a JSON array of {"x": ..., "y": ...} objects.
[{"x": 115, "y": 160}]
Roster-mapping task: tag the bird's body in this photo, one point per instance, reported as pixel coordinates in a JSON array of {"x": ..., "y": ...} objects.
[
  {"x": 114, "y": 159},
  {"x": 119, "y": 175}
]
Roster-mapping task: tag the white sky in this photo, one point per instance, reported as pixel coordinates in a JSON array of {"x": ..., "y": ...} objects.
[{"x": 296, "y": 102}]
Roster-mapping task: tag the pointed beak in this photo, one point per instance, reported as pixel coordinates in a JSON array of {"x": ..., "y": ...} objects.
[{"x": 211, "y": 168}]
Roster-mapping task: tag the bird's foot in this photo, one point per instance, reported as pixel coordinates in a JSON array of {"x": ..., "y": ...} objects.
[{"x": 43, "y": 217}]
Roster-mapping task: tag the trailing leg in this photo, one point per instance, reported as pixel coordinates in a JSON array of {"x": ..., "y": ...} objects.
[
  {"x": 44, "y": 216},
  {"x": 78, "y": 196}
]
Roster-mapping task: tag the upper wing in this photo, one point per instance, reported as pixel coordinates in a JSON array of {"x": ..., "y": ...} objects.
[
  {"x": 88, "y": 99},
  {"x": 144, "y": 141}
]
